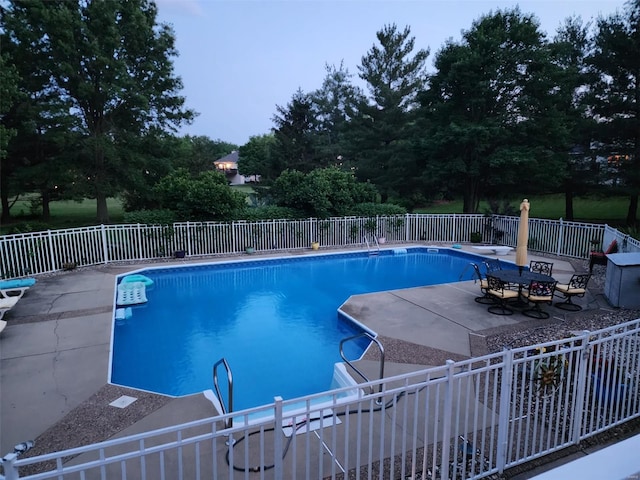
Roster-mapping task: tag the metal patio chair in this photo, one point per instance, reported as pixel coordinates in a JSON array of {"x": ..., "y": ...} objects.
[
  {"x": 541, "y": 267},
  {"x": 486, "y": 298},
  {"x": 537, "y": 294},
  {"x": 577, "y": 287},
  {"x": 500, "y": 292}
]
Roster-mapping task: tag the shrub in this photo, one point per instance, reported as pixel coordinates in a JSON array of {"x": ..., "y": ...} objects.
[
  {"x": 270, "y": 213},
  {"x": 370, "y": 209},
  {"x": 150, "y": 217},
  {"x": 26, "y": 227}
]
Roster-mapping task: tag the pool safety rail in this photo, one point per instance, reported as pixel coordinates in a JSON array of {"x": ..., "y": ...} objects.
[
  {"x": 374, "y": 341},
  {"x": 369, "y": 245},
  {"x": 467, "y": 419},
  {"x": 223, "y": 409},
  {"x": 45, "y": 252}
]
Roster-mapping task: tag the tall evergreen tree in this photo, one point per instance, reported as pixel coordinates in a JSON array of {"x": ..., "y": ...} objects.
[
  {"x": 616, "y": 95},
  {"x": 335, "y": 104},
  {"x": 294, "y": 133},
  {"x": 381, "y": 135}
]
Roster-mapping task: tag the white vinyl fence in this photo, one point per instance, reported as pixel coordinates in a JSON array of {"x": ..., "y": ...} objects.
[
  {"x": 467, "y": 419},
  {"x": 54, "y": 250}
]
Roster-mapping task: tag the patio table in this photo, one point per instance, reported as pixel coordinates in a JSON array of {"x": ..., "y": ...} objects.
[{"x": 521, "y": 278}]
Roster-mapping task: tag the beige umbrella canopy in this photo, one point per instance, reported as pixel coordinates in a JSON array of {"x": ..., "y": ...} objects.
[{"x": 523, "y": 235}]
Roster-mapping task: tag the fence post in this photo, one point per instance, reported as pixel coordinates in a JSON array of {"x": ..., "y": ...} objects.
[
  {"x": 52, "y": 257},
  {"x": 139, "y": 243},
  {"x": 406, "y": 227},
  {"x": 578, "y": 405},
  {"x": 277, "y": 440},
  {"x": 10, "y": 471},
  {"x": 446, "y": 424},
  {"x": 105, "y": 246},
  {"x": 504, "y": 412},
  {"x": 560, "y": 237}
]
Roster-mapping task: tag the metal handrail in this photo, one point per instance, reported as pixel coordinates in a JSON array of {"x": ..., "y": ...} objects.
[
  {"x": 348, "y": 362},
  {"x": 223, "y": 361}
]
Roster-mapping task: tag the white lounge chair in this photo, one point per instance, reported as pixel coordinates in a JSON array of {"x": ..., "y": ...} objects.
[
  {"x": 7, "y": 304},
  {"x": 16, "y": 287}
]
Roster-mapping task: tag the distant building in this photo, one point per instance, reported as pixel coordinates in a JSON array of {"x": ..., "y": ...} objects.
[{"x": 229, "y": 166}]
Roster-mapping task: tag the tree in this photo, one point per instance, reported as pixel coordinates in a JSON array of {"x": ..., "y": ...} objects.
[
  {"x": 204, "y": 197},
  {"x": 381, "y": 135},
  {"x": 258, "y": 157},
  {"x": 294, "y": 133},
  {"x": 201, "y": 152},
  {"x": 40, "y": 122},
  {"x": 112, "y": 61},
  {"x": 489, "y": 109},
  {"x": 569, "y": 51},
  {"x": 322, "y": 193},
  {"x": 335, "y": 104},
  {"x": 8, "y": 92},
  {"x": 616, "y": 94}
]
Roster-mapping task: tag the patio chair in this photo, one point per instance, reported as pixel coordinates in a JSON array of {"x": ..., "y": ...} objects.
[
  {"x": 541, "y": 267},
  {"x": 492, "y": 265},
  {"x": 597, "y": 257},
  {"x": 537, "y": 294},
  {"x": 7, "y": 304},
  {"x": 576, "y": 287},
  {"x": 501, "y": 294},
  {"x": 16, "y": 287},
  {"x": 486, "y": 298}
]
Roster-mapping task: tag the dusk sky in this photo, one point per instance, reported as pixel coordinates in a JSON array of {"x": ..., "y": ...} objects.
[{"x": 239, "y": 59}]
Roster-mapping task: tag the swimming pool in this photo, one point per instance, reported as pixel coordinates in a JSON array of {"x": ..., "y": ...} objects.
[{"x": 274, "y": 320}]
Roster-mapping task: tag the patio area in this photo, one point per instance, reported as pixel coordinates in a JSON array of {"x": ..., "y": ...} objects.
[{"x": 55, "y": 351}]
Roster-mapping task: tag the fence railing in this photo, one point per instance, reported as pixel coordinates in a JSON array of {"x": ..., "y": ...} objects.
[
  {"x": 54, "y": 250},
  {"x": 466, "y": 419}
]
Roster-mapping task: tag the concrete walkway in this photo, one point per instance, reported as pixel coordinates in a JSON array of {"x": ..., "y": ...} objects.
[{"x": 54, "y": 352}]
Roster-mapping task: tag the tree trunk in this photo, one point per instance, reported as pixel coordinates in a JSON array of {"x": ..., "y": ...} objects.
[
  {"x": 470, "y": 196},
  {"x": 632, "y": 213},
  {"x": 4, "y": 199},
  {"x": 103, "y": 212},
  {"x": 568, "y": 204},
  {"x": 46, "y": 210}
]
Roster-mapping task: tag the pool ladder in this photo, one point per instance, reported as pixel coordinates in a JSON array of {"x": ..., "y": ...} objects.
[
  {"x": 375, "y": 240},
  {"x": 223, "y": 361},
  {"x": 348, "y": 362}
]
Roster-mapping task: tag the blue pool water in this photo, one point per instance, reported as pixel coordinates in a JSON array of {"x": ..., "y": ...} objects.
[{"x": 275, "y": 321}]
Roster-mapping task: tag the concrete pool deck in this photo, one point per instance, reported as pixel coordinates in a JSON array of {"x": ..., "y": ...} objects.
[{"x": 54, "y": 352}]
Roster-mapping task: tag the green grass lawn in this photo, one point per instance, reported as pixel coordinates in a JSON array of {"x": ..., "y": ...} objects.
[
  {"x": 68, "y": 214},
  {"x": 585, "y": 209},
  {"x": 65, "y": 214}
]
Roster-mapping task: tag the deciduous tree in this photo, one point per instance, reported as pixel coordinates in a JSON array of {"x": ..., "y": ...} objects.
[
  {"x": 616, "y": 94},
  {"x": 112, "y": 61}
]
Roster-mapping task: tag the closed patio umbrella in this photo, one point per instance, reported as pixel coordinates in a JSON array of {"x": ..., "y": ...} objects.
[{"x": 523, "y": 235}]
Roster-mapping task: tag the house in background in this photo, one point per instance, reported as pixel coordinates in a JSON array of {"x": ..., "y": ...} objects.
[{"x": 229, "y": 166}]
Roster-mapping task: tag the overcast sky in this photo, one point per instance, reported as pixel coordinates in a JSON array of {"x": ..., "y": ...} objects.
[{"x": 239, "y": 59}]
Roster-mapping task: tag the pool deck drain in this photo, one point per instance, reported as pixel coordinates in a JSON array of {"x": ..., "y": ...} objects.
[{"x": 123, "y": 402}]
